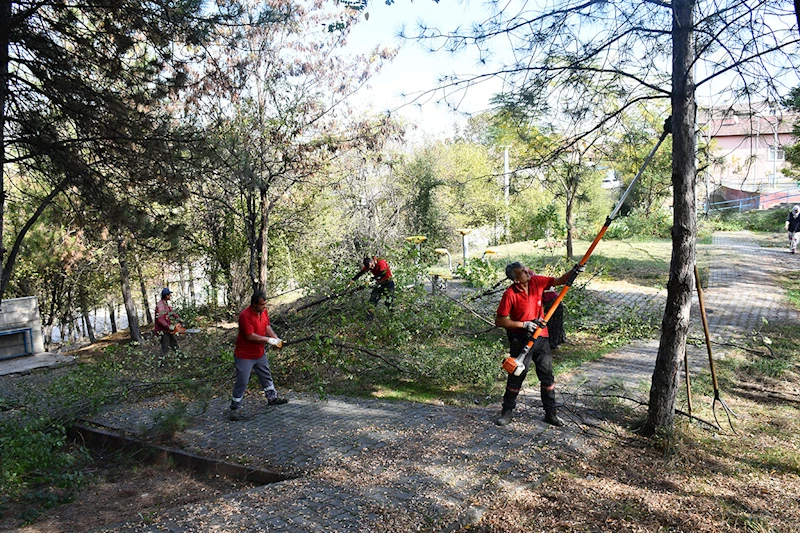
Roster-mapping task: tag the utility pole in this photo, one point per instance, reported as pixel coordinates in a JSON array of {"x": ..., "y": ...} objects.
[{"x": 506, "y": 182}]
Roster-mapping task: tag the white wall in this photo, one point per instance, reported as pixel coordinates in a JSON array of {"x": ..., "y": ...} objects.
[{"x": 18, "y": 313}]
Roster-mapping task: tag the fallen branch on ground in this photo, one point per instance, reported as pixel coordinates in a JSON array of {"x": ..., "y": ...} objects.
[
  {"x": 645, "y": 404},
  {"x": 346, "y": 346},
  {"x": 775, "y": 395},
  {"x": 470, "y": 310}
]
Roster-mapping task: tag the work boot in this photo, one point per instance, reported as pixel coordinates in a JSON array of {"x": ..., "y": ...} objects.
[
  {"x": 551, "y": 418},
  {"x": 277, "y": 401},
  {"x": 505, "y": 417},
  {"x": 236, "y": 411}
]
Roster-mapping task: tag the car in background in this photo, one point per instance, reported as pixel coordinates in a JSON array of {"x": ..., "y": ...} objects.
[{"x": 611, "y": 181}]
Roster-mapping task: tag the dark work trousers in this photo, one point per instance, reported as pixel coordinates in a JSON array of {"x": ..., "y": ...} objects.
[
  {"x": 538, "y": 355},
  {"x": 555, "y": 326},
  {"x": 386, "y": 290},
  {"x": 168, "y": 340}
]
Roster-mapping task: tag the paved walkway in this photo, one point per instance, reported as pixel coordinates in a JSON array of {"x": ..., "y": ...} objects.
[
  {"x": 740, "y": 295},
  {"x": 369, "y": 465}
]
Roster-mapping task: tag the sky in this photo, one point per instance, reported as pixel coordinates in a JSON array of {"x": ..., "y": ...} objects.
[{"x": 415, "y": 69}]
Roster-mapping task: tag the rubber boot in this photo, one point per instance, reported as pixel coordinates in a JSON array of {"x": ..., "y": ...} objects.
[
  {"x": 505, "y": 417},
  {"x": 551, "y": 417}
]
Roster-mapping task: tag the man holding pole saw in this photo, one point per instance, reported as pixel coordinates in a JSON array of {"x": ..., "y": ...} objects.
[
  {"x": 520, "y": 313},
  {"x": 520, "y": 310}
]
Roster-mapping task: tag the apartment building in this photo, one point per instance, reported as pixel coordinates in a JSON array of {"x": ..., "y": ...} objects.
[{"x": 748, "y": 143}]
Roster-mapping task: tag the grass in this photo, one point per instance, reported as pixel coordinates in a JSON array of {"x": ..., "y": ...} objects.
[
  {"x": 638, "y": 262},
  {"x": 791, "y": 282},
  {"x": 767, "y": 239}
]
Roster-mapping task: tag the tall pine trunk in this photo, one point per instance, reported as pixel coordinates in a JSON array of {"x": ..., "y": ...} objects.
[
  {"x": 5, "y": 35},
  {"x": 192, "y": 296},
  {"x": 112, "y": 316},
  {"x": 252, "y": 239},
  {"x": 127, "y": 295},
  {"x": 264, "y": 255},
  {"x": 569, "y": 217},
  {"x": 85, "y": 311},
  {"x": 675, "y": 325},
  {"x": 148, "y": 315}
]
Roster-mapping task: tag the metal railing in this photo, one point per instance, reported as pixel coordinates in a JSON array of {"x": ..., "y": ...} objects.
[{"x": 758, "y": 201}]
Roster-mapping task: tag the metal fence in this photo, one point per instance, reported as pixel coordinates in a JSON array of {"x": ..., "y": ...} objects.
[{"x": 758, "y": 201}]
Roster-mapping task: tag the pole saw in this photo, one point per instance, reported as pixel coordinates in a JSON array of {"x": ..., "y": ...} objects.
[{"x": 515, "y": 365}]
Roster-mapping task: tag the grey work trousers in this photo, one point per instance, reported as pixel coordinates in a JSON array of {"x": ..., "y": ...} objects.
[{"x": 243, "y": 369}]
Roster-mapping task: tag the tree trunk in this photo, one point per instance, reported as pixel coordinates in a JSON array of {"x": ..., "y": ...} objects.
[
  {"x": 112, "y": 317},
  {"x": 190, "y": 279},
  {"x": 262, "y": 264},
  {"x": 5, "y": 35},
  {"x": 127, "y": 296},
  {"x": 252, "y": 239},
  {"x": 569, "y": 217},
  {"x": 181, "y": 279},
  {"x": 675, "y": 325},
  {"x": 148, "y": 315},
  {"x": 85, "y": 312}
]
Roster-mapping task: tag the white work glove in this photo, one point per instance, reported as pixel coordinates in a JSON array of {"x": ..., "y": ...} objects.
[
  {"x": 531, "y": 325},
  {"x": 579, "y": 268},
  {"x": 273, "y": 341}
]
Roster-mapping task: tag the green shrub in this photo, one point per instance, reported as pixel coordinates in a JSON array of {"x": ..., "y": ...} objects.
[
  {"x": 478, "y": 273},
  {"x": 38, "y": 464},
  {"x": 640, "y": 224},
  {"x": 754, "y": 220}
]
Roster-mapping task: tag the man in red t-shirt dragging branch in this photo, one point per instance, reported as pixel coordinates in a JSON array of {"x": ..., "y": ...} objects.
[
  {"x": 384, "y": 284},
  {"x": 520, "y": 313},
  {"x": 255, "y": 333}
]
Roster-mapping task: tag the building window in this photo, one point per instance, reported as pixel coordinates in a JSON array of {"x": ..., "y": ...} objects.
[{"x": 776, "y": 153}]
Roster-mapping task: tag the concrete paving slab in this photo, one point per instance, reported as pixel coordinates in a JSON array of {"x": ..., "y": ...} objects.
[{"x": 27, "y": 363}]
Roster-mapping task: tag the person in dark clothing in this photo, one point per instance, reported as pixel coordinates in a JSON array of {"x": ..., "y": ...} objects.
[
  {"x": 520, "y": 312},
  {"x": 793, "y": 228},
  {"x": 555, "y": 325},
  {"x": 384, "y": 284}
]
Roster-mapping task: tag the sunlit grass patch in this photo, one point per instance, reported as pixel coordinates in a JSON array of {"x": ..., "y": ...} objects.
[
  {"x": 640, "y": 262},
  {"x": 791, "y": 282}
]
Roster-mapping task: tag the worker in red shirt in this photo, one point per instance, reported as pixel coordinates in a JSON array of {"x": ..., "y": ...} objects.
[
  {"x": 520, "y": 313},
  {"x": 166, "y": 323},
  {"x": 255, "y": 333},
  {"x": 382, "y": 275}
]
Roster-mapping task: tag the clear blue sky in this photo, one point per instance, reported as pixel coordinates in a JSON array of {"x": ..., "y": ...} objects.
[{"x": 415, "y": 69}]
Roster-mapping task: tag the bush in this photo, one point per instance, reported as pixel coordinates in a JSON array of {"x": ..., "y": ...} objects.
[
  {"x": 639, "y": 224},
  {"x": 478, "y": 273},
  {"x": 755, "y": 220},
  {"x": 38, "y": 464}
]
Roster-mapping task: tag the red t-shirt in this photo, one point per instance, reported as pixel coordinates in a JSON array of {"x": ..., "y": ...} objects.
[
  {"x": 380, "y": 266},
  {"x": 519, "y": 305},
  {"x": 251, "y": 322}
]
